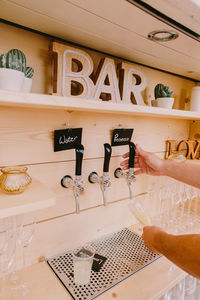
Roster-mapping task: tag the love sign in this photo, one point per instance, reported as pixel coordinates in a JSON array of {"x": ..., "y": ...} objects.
[
  {"x": 192, "y": 148},
  {"x": 74, "y": 76}
]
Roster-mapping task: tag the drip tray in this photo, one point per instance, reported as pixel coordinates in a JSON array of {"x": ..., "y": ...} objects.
[{"x": 126, "y": 254}]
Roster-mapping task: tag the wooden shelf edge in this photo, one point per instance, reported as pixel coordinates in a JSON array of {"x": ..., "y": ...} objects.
[
  {"x": 37, "y": 196},
  {"x": 18, "y": 99}
]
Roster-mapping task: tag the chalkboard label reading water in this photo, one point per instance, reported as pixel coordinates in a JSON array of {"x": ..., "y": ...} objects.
[
  {"x": 65, "y": 139},
  {"x": 121, "y": 136}
]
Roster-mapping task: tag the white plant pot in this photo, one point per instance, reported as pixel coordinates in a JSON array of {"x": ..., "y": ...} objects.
[
  {"x": 195, "y": 99},
  {"x": 165, "y": 102},
  {"x": 11, "y": 80},
  {"x": 27, "y": 84}
]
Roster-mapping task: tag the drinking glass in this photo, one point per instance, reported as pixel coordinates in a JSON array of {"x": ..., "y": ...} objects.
[
  {"x": 176, "y": 293},
  {"x": 25, "y": 229},
  {"x": 26, "y": 236},
  {"x": 83, "y": 260},
  {"x": 190, "y": 285},
  {"x": 7, "y": 250}
]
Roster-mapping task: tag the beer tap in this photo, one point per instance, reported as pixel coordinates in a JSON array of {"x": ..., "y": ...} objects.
[
  {"x": 103, "y": 181},
  {"x": 129, "y": 176},
  {"x": 135, "y": 207},
  {"x": 77, "y": 183}
]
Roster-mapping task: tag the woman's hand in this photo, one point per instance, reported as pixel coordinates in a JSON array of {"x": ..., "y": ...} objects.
[{"x": 146, "y": 162}]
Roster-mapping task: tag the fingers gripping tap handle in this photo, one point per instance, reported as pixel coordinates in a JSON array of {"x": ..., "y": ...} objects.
[
  {"x": 132, "y": 149},
  {"x": 79, "y": 158},
  {"x": 107, "y": 156}
]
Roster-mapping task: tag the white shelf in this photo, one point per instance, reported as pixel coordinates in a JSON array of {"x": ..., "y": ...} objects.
[
  {"x": 18, "y": 99},
  {"x": 35, "y": 197}
]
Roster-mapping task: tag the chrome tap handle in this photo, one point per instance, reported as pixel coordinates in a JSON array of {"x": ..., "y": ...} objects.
[
  {"x": 78, "y": 189},
  {"x": 93, "y": 177},
  {"x": 67, "y": 181},
  {"x": 129, "y": 176},
  {"x": 132, "y": 149},
  {"x": 105, "y": 180},
  {"x": 78, "y": 184},
  {"x": 79, "y": 159},
  {"x": 107, "y": 156},
  {"x": 118, "y": 173}
]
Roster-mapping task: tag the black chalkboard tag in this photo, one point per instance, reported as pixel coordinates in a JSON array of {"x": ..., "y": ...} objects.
[
  {"x": 98, "y": 262},
  {"x": 121, "y": 136},
  {"x": 65, "y": 139}
]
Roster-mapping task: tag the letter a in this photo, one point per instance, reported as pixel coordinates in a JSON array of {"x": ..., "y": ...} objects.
[
  {"x": 106, "y": 81},
  {"x": 131, "y": 82}
]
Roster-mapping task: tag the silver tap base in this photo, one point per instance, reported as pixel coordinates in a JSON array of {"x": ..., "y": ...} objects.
[{"x": 126, "y": 254}]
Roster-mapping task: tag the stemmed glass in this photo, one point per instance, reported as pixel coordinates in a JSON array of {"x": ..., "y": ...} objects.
[
  {"x": 26, "y": 235},
  {"x": 7, "y": 250},
  {"x": 190, "y": 285},
  {"x": 25, "y": 230},
  {"x": 176, "y": 293}
]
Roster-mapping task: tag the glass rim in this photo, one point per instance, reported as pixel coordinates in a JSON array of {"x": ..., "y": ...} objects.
[
  {"x": 87, "y": 247},
  {"x": 14, "y": 169}
]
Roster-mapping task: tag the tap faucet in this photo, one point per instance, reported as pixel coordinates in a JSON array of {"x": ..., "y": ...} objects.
[
  {"x": 103, "y": 181},
  {"x": 135, "y": 207},
  {"x": 129, "y": 176},
  {"x": 77, "y": 183}
]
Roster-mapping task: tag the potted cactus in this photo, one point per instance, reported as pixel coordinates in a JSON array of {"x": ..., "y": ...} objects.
[
  {"x": 163, "y": 96},
  {"x": 13, "y": 71}
]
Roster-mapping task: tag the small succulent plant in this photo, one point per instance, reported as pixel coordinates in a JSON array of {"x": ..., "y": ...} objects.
[
  {"x": 162, "y": 91},
  {"x": 15, "y": 59},
  {"x": 29, "y": 72}
]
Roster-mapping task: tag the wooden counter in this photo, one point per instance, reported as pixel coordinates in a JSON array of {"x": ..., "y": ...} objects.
[{"x": 148, "y": 284}]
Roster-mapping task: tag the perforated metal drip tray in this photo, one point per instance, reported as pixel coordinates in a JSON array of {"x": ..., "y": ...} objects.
[{"x": 125, "y": 253}]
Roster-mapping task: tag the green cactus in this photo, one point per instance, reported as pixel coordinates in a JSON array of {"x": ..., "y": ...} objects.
[
  {"x": 16, "y": 59},
  {"x": 29, "y": 72},
  {"x": 162, "y": 91},
  {"x": 3, "y": 60}
]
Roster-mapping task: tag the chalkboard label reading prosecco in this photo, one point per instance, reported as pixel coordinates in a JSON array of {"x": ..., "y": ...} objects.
[
  {"x": 121, "y": 136},
  {"x": 65, "y": 139}
]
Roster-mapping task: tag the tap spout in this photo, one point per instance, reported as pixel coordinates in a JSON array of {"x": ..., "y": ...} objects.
[
  {"x": 78, "y": 189},
  {"x": 105, "y": 183}
]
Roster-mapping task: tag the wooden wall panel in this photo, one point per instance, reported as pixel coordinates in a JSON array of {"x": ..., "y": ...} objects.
[
  {"x": 51, "y": 174},
  {"x": 195, "y": 130},
  {"x": 57, "y": 235},
  {"x": 27, "y": 135}
]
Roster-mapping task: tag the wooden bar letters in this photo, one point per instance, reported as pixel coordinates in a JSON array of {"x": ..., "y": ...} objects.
[{"x": 74, "y": 71}]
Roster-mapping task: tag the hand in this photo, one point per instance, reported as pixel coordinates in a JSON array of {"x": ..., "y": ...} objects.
[
  {"x": 150, "y": 236},
  {"x": 146, "y": 162}
]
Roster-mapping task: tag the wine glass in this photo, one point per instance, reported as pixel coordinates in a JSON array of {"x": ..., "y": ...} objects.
[
  {"x": 7, "y": 250},
  {"x": 190, "y": 285},
  {"x": 176, "y": 293},
  {"x": 26, "y": 236},
  {"x": 25, "y": 228}
]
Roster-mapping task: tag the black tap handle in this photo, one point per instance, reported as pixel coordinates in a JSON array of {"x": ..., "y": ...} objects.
[
  {"x": 132, "y": 149},
  {"x": 107, "y": 156},
  {"x": 79, "y": 158}
]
